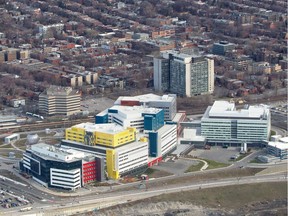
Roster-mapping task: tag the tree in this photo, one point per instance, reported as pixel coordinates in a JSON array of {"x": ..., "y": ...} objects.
[{"x": 147, "y": 9}]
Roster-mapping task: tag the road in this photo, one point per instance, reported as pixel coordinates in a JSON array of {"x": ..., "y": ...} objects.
[{"x": 82, "y": 204}]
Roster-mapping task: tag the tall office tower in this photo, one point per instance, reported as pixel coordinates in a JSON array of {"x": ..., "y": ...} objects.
[
  {"x": 189, "y": 75},
  {"x": 59, "y": 100}
]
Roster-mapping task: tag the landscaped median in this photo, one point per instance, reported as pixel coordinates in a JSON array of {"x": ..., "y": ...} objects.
[{"x": 201, "y": 162}]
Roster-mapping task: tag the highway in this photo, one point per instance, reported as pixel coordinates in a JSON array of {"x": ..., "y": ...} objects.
[{"x": 83, "y": 204}]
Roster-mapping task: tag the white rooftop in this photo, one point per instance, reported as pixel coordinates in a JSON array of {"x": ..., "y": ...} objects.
[
  {"x": 132, "y": 110},
  {"x": 145, "y": 98},
  {"x": 132, "y": 145},
  {"x": 57, "y": 153},
  {"x": 284, "y": 140},
  {"x": 165, "y": 128},
  {"x": 227, "y": 109},
  {"x": 279, "y": 145},
  {"x": 178, "y": 117},
  {"x": 111, "y": 128}
]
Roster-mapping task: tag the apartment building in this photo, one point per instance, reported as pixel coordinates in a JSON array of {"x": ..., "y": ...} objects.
[{"x": 189, "y": 75}]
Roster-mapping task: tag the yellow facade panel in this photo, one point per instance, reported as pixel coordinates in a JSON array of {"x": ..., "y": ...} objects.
[
  {"x": 110, "y": 163},
  {"x": 102, "y": 138}
]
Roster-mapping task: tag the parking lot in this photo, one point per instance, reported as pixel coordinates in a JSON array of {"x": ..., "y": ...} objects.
[
  {"x": 94, "y": 105},
  {"x": 9, "y": 200},
  {"x": 216, "y": 153},
  {"x": 178, "y": 166}
]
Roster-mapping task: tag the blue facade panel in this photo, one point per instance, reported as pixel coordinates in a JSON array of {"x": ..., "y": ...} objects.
[
  {"x": 153, "y": 121},
  {"x": 149, "y": 122},
  {"x": 112, "y": 111},
  {"x": 101, "y": 119},
  {"x": 153, "y": 144},
  {"x": 171, "y": 123}
]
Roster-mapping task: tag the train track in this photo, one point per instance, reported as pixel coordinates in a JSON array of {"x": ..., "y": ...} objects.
[{"x": 44, "y": 125}]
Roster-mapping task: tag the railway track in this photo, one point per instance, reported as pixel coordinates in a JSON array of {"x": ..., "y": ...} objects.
[{"x": 43, "y": 125}]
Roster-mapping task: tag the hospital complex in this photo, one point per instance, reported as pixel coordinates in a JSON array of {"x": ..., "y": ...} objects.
[{"x": 136, "y": 133}]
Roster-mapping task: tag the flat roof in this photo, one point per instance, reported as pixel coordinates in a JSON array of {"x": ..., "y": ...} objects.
[
  {"x": 284, "y": 140},
  {"x": 43, "y": 148},
  {"x": 131, "y": 145},
  {"x": 279, "y": 145},
  {"x": 146, "y": 98},
  {"x": 60, "y": 90},
  {"x": 12, "y": 135},
  {"x": 165, "y": 128},
  {"x": 130, "y": 110},
  {"x": 178, "y": 117},
  {"x": 111, "y": 128},
  {"x": 225, "y": 109}
]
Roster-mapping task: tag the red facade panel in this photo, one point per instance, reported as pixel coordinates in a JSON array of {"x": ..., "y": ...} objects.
[
  {"x": 156, "y": 161},
  {"x": 89, "y": 171},
  {"x": 130, "y": 103}
]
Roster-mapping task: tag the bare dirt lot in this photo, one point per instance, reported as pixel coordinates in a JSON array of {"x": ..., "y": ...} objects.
[{"x": 254, "y": 199}]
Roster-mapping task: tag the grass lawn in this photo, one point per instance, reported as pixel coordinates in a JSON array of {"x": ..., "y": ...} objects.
[
  {"x": 52, "y": 141},
  {"x": 6, "y": 146},
  {"x": 196, "y": 167},
  {"x": 17, "y": 154},
  {"x": 154, "y": 173},
  {"x": 272, "y": 133},
  {"x": 21, "y": 142},
  {"x": 230, "y": 173},
  {"x": 255, "y": 160},
  {"x": 214, "y": 164}
]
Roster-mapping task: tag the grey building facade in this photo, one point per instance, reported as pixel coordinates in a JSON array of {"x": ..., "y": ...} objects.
[{"x": 189, "y": 75}]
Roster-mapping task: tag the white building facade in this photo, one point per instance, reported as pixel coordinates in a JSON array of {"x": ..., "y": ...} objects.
[
  {"x": 167, "y": 102},
  {"x": 222, "y": 123}
]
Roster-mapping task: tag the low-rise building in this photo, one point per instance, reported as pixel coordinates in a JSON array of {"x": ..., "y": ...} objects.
[
  {"x": 222, "y": 47},
  {"x": 17, "y": 102},
  {"x": 139, "y": 117},
  {"x": 106, "y": 135},
  {"x": 222, "y": 123},
  {"x": 278, "y": 147},
  {"x": 57, "y": 167},
  {"x": 123, "y": 152},
  {"x": 166, "y": 102}
]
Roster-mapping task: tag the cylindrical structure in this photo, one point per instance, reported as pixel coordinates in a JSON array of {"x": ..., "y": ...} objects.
[
  {"x": 32, "y": 139},
  {"x": 47, "y": 131},
  {"x": 245, "y": 147}
]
